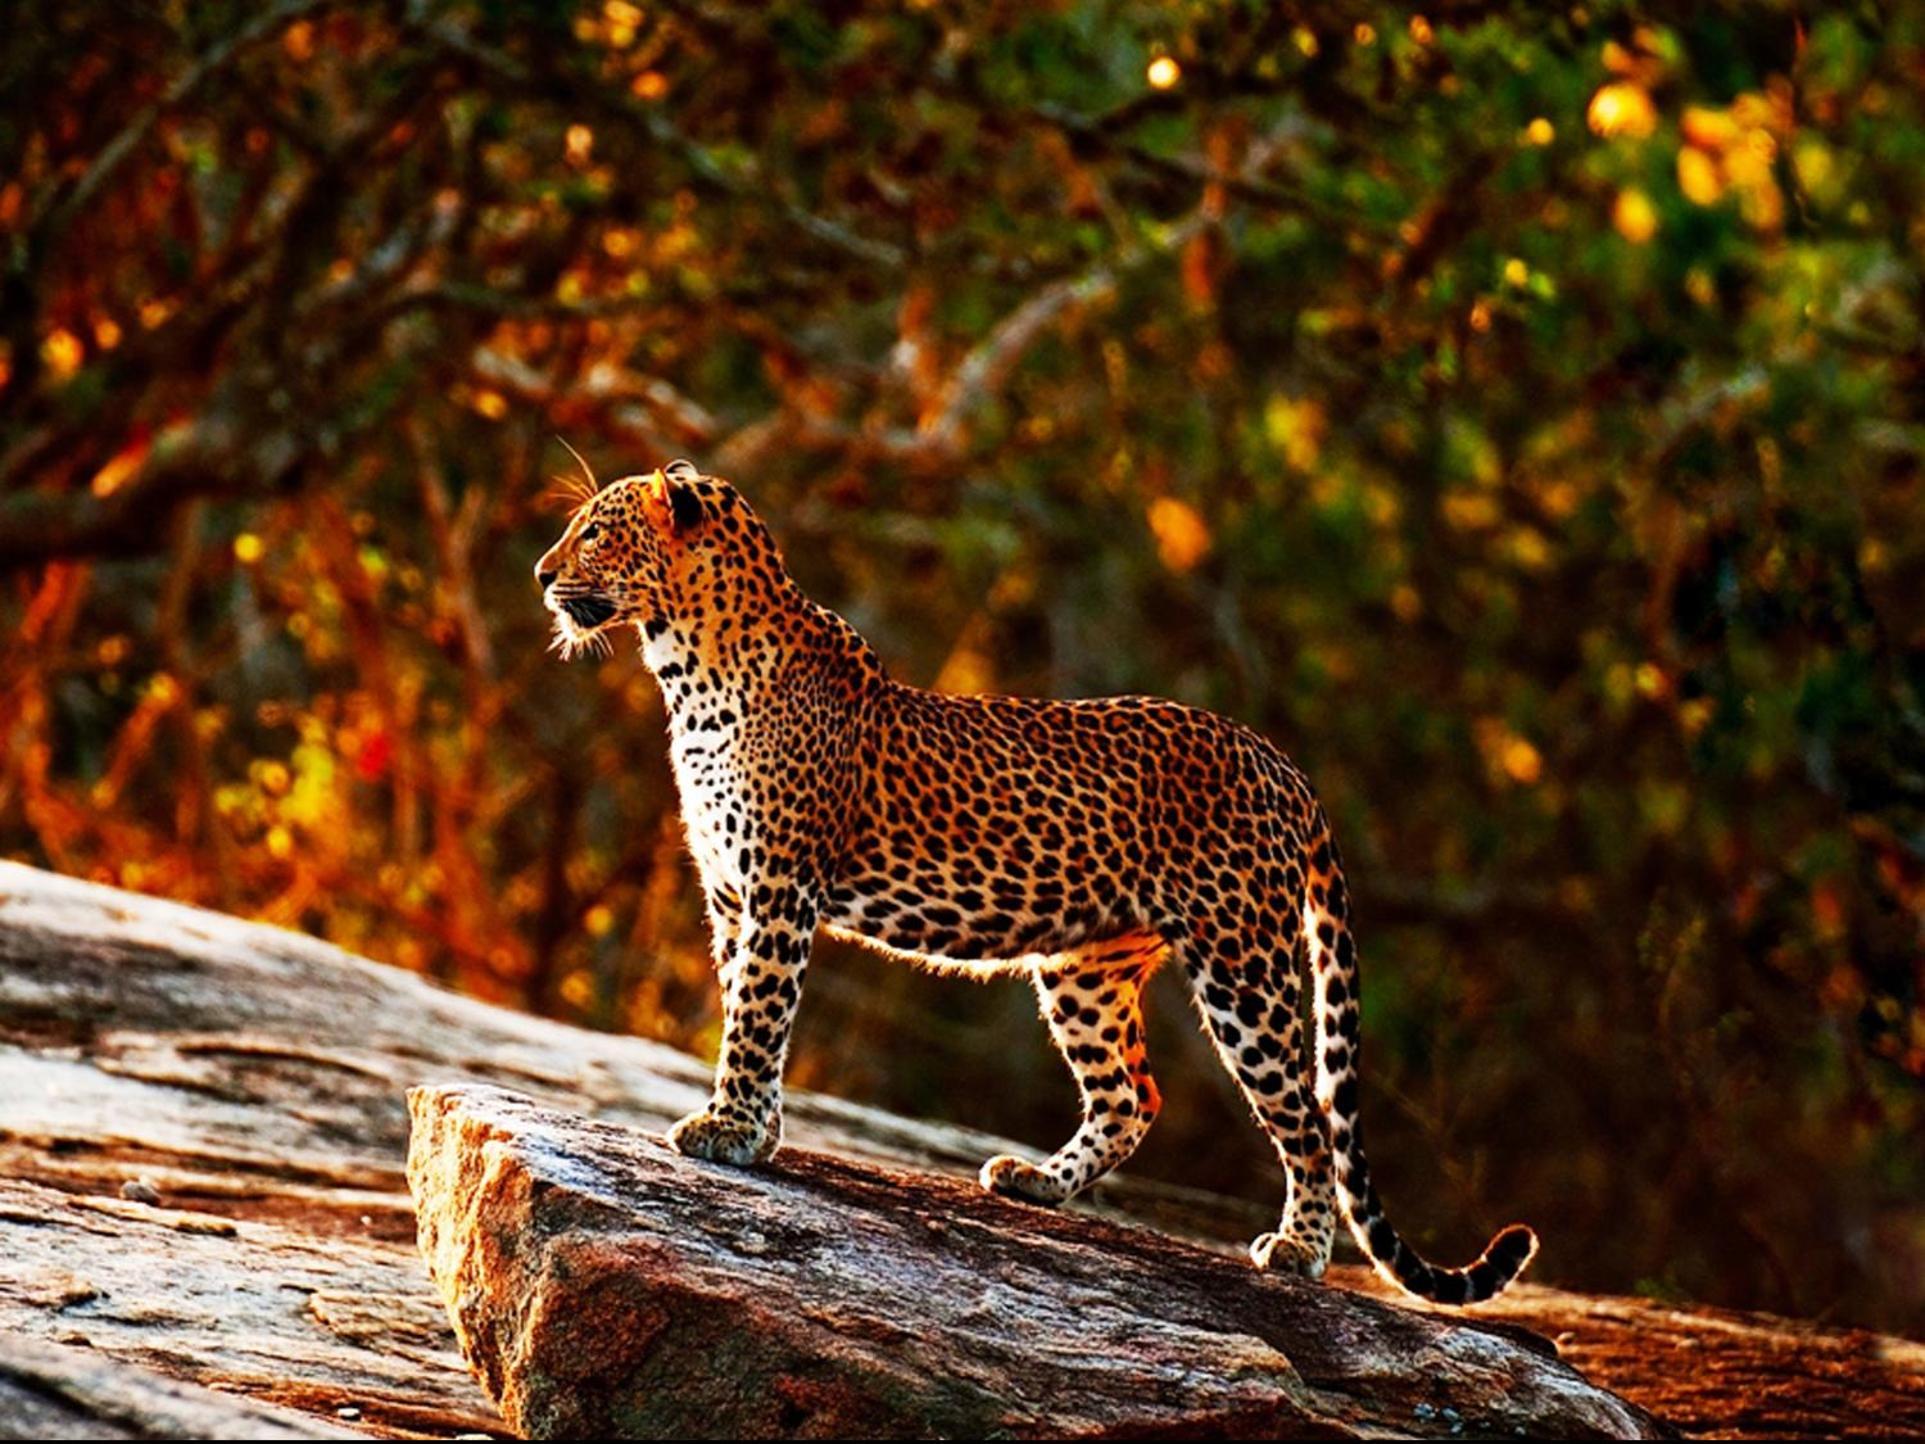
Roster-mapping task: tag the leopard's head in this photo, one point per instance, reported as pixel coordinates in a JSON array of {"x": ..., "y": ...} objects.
[{"x": 647, "y": 551}]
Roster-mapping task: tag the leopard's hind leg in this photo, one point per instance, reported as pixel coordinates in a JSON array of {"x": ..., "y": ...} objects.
[
  {"x": 1247, "y": 982},
  {"x": 1092, "y": 1000}
]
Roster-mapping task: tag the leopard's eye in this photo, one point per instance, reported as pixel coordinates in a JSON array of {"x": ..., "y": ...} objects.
[{"x": 591, "y": 531}]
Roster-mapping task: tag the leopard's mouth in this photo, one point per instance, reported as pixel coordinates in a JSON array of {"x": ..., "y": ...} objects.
[{"x": 588, "y": 612}]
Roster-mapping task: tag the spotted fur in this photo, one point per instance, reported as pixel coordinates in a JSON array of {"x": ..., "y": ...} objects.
[{"x": 1079, "y": 843}]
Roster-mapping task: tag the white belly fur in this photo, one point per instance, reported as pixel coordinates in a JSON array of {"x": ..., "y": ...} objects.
[{"x": 976, "y": 969}]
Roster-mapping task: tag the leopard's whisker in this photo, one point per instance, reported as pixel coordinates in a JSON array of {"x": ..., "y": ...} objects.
[{"x": 593, "y": 486}]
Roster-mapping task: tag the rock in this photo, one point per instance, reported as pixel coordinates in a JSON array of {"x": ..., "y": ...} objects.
[
  {"x": 1725, "y": 1374},
  {"x": 603, "y": 1286},
  {"x": 253, "y": 1077},
  {"x": 307, "y": 1320},
  {"x": 49, "y": 1392}
]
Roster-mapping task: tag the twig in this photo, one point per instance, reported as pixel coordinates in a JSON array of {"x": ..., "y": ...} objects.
[
  {"x": 751, "y": 188},
  {"x": 116, "y": 152}
]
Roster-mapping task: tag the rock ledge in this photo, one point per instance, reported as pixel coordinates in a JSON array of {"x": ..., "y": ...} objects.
[{"x": 602, "y": 1285}]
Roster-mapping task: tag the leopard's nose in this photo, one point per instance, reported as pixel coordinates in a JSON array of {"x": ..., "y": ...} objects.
[{"x": 544, "y": 579}]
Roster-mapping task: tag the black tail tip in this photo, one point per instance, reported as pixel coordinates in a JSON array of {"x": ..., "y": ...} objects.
[
  {"x": 1493, "y": 1272},
  {"x": 1511, "y": 1250}
]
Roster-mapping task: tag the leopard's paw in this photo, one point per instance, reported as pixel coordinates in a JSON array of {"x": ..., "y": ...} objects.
[
  {"x": 1013, "y": 1178},
  {"x": 1274, "y": 1252},
  {"x": 723, "y": 1140}
]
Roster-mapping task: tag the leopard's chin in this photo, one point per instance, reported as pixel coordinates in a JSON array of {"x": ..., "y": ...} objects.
[
  {"x": 590, "y": 612},
  {"x": 574, "y": 634}
]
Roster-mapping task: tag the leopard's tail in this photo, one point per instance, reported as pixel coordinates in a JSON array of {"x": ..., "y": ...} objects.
[{"x": 1333, "y": 957}]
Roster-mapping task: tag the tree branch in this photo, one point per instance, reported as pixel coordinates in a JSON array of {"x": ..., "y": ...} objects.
[{"x": 708, "y": 172}]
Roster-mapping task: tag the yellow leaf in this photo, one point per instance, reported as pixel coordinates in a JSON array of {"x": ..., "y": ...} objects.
[
  {"x": 1296, "y": 429},
  {"x": 1507, "y": 755},
  {"x": 1182, "y": 537},
  {"x": 63, "y": 352},
  {"x": 1622, "y": 109},
  {"x": 1709, "y": 129},
  {"x": 1522, "y": 762},
  {"x": 1470, "y": 511},
  {"x": 1698, "y": 177},
  {"x": 1634, "y": 216}
]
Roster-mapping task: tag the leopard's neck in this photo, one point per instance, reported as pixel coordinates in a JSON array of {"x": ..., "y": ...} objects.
[
  {"x": 709, "y": 672},
  {"x": 714, "y": 670}
]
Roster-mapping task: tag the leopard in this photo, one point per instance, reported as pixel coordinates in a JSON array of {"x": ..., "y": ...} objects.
[{"x": 1080, "y": 844}]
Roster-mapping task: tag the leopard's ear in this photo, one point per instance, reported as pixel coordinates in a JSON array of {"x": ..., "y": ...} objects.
[{"x": 672, "y": 499}]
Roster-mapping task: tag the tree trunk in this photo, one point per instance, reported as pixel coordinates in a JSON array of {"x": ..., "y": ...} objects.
[{"x": 202, "y": 1135}]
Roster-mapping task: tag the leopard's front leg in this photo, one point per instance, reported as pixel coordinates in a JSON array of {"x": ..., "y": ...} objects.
[{"x": 761, "y": 960}]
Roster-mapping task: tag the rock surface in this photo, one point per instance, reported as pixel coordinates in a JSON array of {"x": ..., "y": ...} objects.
[
  {"x": 251, "y": 1080},
  {"x": 49, "y": 1392},
  {"x": 604, "y": 1286}
]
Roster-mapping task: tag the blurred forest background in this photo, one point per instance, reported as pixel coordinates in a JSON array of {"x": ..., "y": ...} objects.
[{"x": 1514, "y": 410}]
